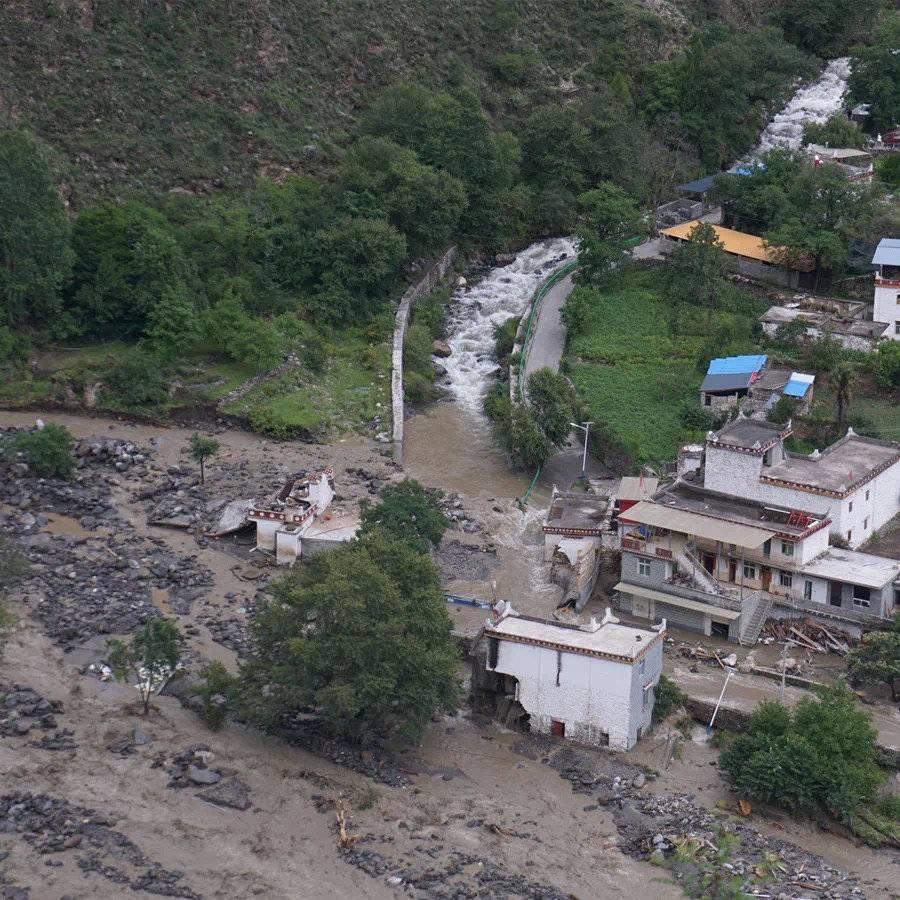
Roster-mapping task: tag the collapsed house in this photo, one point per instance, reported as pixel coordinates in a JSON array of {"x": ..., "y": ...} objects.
[
  {"x": 576, "y": 530},
  {"x": 297, "y": 521},
  {"x": 854, "y": 164},
  {"x": 592, "y": 683},
  {"x": 748, "y": 534}
]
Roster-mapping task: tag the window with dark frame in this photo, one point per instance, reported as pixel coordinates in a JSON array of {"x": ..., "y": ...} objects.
[{"x": 558, "y": 666}]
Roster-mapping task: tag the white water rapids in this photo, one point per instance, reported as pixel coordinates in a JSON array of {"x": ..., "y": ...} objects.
[
  {"x": 504, "y": 292},
  {"x": 507, "y": 290},
  {"x": 814, "y": 103}
]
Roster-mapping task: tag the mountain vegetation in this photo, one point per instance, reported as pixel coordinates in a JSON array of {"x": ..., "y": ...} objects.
[{"x": 202, "y": 191}]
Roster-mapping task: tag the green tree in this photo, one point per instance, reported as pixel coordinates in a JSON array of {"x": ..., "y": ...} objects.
[
  {"x": 47, "y": 450},
  {"x": 698, "y": 268},
  {"x": 887, "y": 168},
  {"x": 827, "y": 27},
  {"x": 202, "y": 448},
  {"x": 362, "y": 256},
  {"x": 423, "y": 203},
  {"x": 35, "y": 253},
  {"x": 576, "y": 312},
  {"x": 837, "y": 131},
  {"x": 408, "y": 513},
  {"x": 609, "y": 218},
  {"x": 842, "y": 379},
  {"x": 173, "y": 324},
  {"x": 137, "y": 379},
  {"x": 875, "y": 73},
  {"x": 281, "y": 232},
  {"x": 361, "y": 634},
  {"x": 245, "y": 339},
  {"x": 552, "y": 401},
  {"x": 126, "y": 258},
  {"x": 877, "y": 659},
  {"x": 820, "y": 755},
  {"x": 150, "y": 658},
  {"x": 887, "y": 364}
]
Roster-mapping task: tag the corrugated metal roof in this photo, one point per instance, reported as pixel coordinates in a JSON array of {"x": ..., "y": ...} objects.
[
  {"x": 887, "y": 253},
  {"x": 699, "y": 186},
  {"x": 799, "y": 384},
  {"x": 737, "y": 243},
  {"x": 714, "y": 383},
  {"x": 684, "y": 522},
  {"x": 635, "y": 488},
  {"x": 673, "y": 600},
  {"x": 736, "y": 365}
]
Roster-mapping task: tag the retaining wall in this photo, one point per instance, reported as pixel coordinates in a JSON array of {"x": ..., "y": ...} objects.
[{"x": 425, "y": 285}]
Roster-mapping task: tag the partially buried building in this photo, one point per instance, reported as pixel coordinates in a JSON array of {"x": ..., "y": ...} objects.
[{"x": 592, "y": 683}]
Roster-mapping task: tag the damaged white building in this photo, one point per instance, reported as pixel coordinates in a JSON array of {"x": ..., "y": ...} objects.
[
  {"x": 298, "y": 520},
  {"x": 592, "y": 683}
]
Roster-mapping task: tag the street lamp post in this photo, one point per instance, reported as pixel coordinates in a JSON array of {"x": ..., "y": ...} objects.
[{"x": 585, "y": 427}]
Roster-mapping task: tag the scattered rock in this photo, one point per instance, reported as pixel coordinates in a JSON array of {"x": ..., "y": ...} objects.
[{"x": 232, "y": 793}]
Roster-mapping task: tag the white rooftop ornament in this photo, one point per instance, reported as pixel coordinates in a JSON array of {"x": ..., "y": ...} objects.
[{"x": 609, "y": 618}]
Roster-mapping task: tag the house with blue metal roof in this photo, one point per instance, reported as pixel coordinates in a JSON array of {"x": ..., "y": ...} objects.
[
  {"x": 748, "y": 381},
  {"x": 728, "y": 379}
]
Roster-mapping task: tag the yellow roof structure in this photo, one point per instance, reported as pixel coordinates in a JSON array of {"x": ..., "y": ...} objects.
[{"x": 738, "y": 243}]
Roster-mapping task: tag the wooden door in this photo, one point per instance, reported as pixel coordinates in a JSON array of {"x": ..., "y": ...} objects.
[
  {"x": 766, "y": 576},
  {"x": 557, "y": 729}
]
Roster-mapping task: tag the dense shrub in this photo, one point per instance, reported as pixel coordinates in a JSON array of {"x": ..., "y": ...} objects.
[
  {"x": 138, "y": 379},
  {"x": 47, "y": 450}
]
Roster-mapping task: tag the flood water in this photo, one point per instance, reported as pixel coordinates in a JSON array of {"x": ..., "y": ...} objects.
[{"x": 450, "y": 444}]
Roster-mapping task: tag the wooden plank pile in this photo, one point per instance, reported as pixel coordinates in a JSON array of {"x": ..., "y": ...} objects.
[{"x": 809, "y": 634}]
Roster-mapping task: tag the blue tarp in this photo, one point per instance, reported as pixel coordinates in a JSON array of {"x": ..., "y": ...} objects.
[
  {"x": 736, "y": 365},
  {"x": 796, "y": 389}
]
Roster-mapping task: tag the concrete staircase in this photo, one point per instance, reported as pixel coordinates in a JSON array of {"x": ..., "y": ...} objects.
[
  {"x": 756, "y": 609},
  {"x": 692, "y": 567}
]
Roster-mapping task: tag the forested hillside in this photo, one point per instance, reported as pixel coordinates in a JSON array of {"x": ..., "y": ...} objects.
[{"x": 224, "y": 183}]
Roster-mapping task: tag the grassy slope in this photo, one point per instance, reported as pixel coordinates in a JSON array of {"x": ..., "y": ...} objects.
[
  {"x": 630, "y": 372},
  {"x": 146, "y": 96}
]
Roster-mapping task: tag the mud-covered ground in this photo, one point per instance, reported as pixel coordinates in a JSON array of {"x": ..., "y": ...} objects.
[{"x": 97, "y": 801}]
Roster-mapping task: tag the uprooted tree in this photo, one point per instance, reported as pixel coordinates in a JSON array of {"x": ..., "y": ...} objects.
[{"x": 877, "y": 659}]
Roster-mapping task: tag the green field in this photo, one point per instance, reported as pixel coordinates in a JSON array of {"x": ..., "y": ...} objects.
[
  {"x": 352, "y": 388},
  {"x": 348, "y": 386},
  {"x": 634, "y": 378}
]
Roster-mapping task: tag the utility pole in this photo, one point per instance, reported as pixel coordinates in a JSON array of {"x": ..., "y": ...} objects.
[
  {"x": 585, "y": 427},
  {"x": 784, "y": 648},
  {"x": 728, "y": 675}
]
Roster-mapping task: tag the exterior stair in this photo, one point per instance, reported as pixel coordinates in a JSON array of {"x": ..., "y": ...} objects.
[
  {"x": 756, "y": 609},
  {"x": 692, "y": 567}
]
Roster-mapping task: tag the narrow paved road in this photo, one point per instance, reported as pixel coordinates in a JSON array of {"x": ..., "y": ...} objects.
[{"x": 548, "y": 335}]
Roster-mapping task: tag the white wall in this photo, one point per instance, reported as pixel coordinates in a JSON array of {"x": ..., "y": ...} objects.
[
  {"x": 809, "y": 548},
  {"x": 732, "y": 473},
  {"x": 593, "y": 696},
  {"x": 265, "y": 534},
  {"x": 887, "y": 309}
]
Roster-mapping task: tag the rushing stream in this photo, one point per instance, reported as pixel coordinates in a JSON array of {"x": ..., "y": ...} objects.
[
  {"x": 475, "y": 465},
  {"x": 815, "y": 102},
  {"x": 504, "y": 292}
]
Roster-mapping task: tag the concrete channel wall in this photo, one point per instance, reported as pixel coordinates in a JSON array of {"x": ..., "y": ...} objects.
[{"x": 425, "y": 285}]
